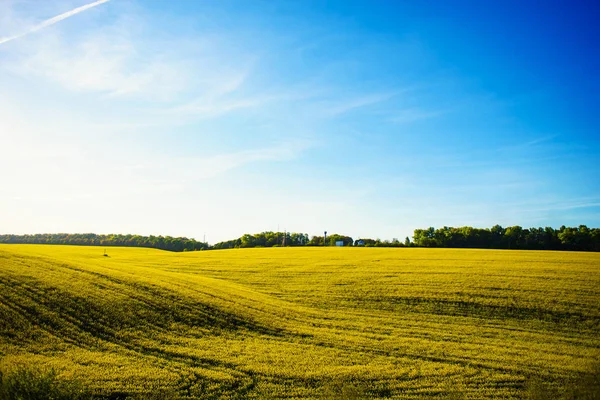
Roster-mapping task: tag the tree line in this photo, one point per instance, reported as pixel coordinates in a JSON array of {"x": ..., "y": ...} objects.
[
  {"x": 579, "y": 238},
  {"x": 264, "y": 239},
  {"x": 91, "y": 239},
  {"x": 276, "y": 239}
]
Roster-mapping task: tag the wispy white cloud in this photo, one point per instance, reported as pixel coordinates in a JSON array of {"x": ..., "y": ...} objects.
[
  {"x": 118, "y": 59},
  {"x": 414, "y": 114},
  {"x": 209, "y": 108},
  {"x": 539, "y": 140},
  {"x": 76, "y": 159},
  {"x": 531, "y": 144},
  {"x": 563, "y": 205},
  {"x": 221, "y": 97},
  {"x": 107, "y": 61},
  {"x": 53, "y": 20},
  {"x": 188, "y": 169},
  {"x": 359, "y": 102}
]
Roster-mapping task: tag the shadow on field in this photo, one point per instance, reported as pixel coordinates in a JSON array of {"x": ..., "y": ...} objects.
[
  {"x": 31, "y": 384},
  {"x": 343, "y": 390},
  {"x": 584, "y": 387},
  {"x": 486, "y": 311},
  {"x": 78, "y": 319},
  {"x": 347, "y": 389}
]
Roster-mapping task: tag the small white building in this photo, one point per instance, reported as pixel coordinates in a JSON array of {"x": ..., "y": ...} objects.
[{"x": 339, "y": 243}]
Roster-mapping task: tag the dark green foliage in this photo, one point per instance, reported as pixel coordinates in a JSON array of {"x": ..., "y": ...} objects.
[
  {"x": 30, "y": 384},
  {"x": 382, "y": 243},
  {"x": 331, "y": 240},
  {"x": 229, "y": 244},
  {"x": 265, "y": 239},
  {"x": 90, "y": 239},
  {"x": 581, "y": 238}
]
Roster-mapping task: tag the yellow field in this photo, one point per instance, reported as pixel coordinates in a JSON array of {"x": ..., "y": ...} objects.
[{"x": 302, "y": 322}]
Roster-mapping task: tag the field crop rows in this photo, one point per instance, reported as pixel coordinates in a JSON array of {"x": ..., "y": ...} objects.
[{"x": 302, "y": 322}]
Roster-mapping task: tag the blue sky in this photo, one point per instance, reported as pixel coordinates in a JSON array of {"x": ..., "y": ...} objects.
[{"x": 367, "y": 118}]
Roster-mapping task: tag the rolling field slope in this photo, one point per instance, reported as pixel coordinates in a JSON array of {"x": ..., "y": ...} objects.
[{"x": 302, "y": 322}]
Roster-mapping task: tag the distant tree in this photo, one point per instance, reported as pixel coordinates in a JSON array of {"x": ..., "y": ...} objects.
[
  {"x": 425, "y": 237},
  {"x": 316, "y": 241},
  {"x": 332, "y": 239}
]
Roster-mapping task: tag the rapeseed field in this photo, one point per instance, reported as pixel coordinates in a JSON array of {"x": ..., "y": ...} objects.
[{"x": 405, "y": 323}]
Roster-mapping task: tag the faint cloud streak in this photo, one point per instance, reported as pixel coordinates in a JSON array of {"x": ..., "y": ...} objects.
[
  {"x": 53, "y": 20},
  {"x": 414, "y": 114},
  {"x": 360, "y": 102}
]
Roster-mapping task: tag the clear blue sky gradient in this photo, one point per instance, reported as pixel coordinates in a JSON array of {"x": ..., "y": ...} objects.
[{"x": 367, "y": 118}]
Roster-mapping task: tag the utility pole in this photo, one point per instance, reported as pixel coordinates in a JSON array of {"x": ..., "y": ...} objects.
[{"x": 325, "y": 239}]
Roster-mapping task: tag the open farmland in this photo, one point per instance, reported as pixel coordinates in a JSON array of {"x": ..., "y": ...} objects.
[{"x": 302, "y": 323}]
